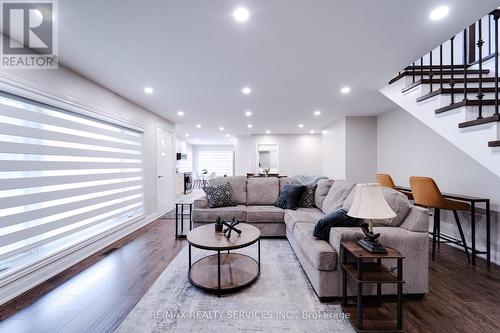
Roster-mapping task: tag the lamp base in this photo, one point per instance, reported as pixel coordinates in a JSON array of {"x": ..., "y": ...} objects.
[{"x": 373, "y": 247}]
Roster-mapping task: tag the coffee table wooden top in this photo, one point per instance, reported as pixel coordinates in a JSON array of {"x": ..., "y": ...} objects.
[{"x": 205, "y": 237}]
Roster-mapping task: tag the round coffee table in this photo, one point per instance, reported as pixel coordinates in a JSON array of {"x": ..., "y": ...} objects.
[{"x": 223, "y": 272}]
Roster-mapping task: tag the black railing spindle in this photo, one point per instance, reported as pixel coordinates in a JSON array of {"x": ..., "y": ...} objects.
[
  {"x": 480, "y": 94},
  {"x": 441, "y": 66},
  {"x": 489, "y": 34},
  {"x": 465, "y": 64},
  {"x": 452, "y": 73},
  {"x": 421, "y": 69},
  {"x": 413, "y": 72},
  {"x": 496, "y": 64},
  {"x": 431, "y": 73}
]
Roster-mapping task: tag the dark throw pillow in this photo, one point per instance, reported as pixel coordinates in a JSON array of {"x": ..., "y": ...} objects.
[
  {"x": 290, "y": 196},
  {"x": 307, "y": 200},
  {"x": 338, "y": 218},
  {"x": 219, "y": 195}
]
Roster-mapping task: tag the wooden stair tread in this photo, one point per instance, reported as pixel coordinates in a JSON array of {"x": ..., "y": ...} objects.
[
  {"x": 495, "y": 143},
  {"x": 455, "y": 91},
  {"x": 418, "y": 67},
  {"x": 437, "y": 73},
  {"x": 446, "y": 81},
  {"x": 481, "y": 121},
  {"x": 469, "y": 102}
]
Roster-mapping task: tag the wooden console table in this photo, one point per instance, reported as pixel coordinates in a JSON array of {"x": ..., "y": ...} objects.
[
  {"x": 371, "y": 272},
  {"x": 472, "y": 201}
]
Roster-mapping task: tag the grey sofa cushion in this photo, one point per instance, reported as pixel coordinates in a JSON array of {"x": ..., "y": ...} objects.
[
  {"x": 307, "y": 200},
  {"x": 322, "y": 189},
  {"x": 398, "y": 202},
  {"x": 288, "y": 181},
  {"x": 302, "y": 215},
  {"x": 262, "y": 191},
  {"x": 417, "y": 220},
  {"x": 238, "y": 185},
  {"x": 319, "y": 253},
  {"x": 265, "y": 214},
  {"x": 227, "y": 213},
  {"x": 337, "y": 195}
]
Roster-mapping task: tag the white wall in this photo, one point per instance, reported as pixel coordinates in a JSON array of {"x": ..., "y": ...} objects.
[
  {"x": 407, "y": 147},
  {"x": 298, "y": 154},
  {"x": 350, "y": 149}
]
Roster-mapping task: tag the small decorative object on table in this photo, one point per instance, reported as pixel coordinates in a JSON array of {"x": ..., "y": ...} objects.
[
  {"x": 230, "y": 227},
  {"x": 369, "y": 203},
  {"x": 218, "y": 224},
  {"x": 266, "y": 172}
]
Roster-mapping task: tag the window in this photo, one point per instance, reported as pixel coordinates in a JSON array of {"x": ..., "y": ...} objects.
[
  {"x": 64, "y": 178},
  {"x": 220, "y": 162}
]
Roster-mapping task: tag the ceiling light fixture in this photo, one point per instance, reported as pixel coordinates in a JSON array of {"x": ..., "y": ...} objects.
[
  {"x": 246, "y": 90},
  {"x": 198, "y": 126},
  {"x": 221, "y": 128},
  {"x": 301, "y": 125},
  {"x": 345, "y": 90},
  {"x": 148, "y": 90},
  {"x": 187, "y": 135},
  {"x": 317, "y": 113},
  {"x": 241, "y": 14},
  {"x": 249, "y": 126},
  {"x": 268, "y": 132},
  {"x": 311, "y": 132},
  {"x": 439, "y": 13},
  {"x": 180, "y": 113},
  {"x": 248, "y": 113},
  {"x": 227, "y": 135}
]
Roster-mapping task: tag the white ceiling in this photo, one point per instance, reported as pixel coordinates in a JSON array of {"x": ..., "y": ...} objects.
[{"x": 296, "y": 55}]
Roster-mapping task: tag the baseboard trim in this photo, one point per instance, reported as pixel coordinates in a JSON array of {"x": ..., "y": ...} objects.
[{"x": 30, "y": 278}]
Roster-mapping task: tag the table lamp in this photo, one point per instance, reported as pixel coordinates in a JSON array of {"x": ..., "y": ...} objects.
[{"x": 370, "y": 204}]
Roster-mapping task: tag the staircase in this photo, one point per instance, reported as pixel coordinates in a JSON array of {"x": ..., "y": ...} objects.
[{"x": 454, "y": 90}]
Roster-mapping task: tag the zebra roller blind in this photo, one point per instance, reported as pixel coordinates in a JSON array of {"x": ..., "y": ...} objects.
[{"x": 64, "y": 177}]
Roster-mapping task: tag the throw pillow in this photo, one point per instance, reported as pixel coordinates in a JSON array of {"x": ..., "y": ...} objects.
[
  {"x": 336, "y": 196},
  {"x": 338, "y": 218},
  {"x": 289, "y": 197},
  {"x": 307, "y": 200},
  {"x": 219, "y": 195},
  {"x": 324, "y": 186}
]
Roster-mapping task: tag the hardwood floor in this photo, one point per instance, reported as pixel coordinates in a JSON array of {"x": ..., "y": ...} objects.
[{"x": 98, "y": 293}]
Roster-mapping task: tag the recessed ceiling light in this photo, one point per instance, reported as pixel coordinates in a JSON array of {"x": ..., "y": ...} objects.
[
  {"x": 241, "y": 14},
  {"x": 439, "y": 13},
  {"x": 148, "y": 90},
  {"x": 345, "y": 90},
  {"x": 227, "y": 135},
  {"x": 198, "y": 126},
  {"x": 248, "y": 113},
  {"x": 317, "y": 112},
  {"x": 311, "y": 132},
  {"x": 249, "y": 126},
  {"x": 180, "y": 113},
  {"x": 246, "y": 90},
  {"x": 268, "y": 132},
  {"x": 187, "y": 135},
  {"x": 221, "y": 128},
  {"x": 301, "y": 125}
]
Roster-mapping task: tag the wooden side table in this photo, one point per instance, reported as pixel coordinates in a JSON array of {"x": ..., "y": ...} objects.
[
  {"x": 179, "y": 212},
  {"x": 368, "y": 269}
]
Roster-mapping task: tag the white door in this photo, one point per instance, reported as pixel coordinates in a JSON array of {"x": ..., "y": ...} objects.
[{"x": 164, "y": 170}]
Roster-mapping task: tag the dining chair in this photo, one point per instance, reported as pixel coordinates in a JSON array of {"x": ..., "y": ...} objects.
[
  {"x": 385, "y": 180},
  {"x": 196, "y": 180},
  {"x": 427, "y": 194}
]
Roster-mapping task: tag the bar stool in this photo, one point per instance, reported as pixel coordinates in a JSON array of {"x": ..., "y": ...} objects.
[
  {"x": 427, "y": 194},
  {"x": 385, "y": 180}
]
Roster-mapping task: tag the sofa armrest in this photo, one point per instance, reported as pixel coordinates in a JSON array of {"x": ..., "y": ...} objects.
[
  {"x": 201, "y": 202},
  {"x": 417, "y": 220}
]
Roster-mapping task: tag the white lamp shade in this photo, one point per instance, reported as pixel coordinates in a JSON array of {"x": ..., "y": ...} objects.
[{"x": 369, "y": 203}]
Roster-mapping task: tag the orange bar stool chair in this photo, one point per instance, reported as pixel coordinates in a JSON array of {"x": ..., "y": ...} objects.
[
  {"x": 385, "y": 180},
  {"x": 427, "y": 194}
]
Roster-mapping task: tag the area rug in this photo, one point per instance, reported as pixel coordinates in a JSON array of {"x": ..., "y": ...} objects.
[{"x": 281, "y": 300}]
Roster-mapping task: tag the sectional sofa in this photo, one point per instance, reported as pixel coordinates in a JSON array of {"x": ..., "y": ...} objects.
[{"x": 407, "y": 232}]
